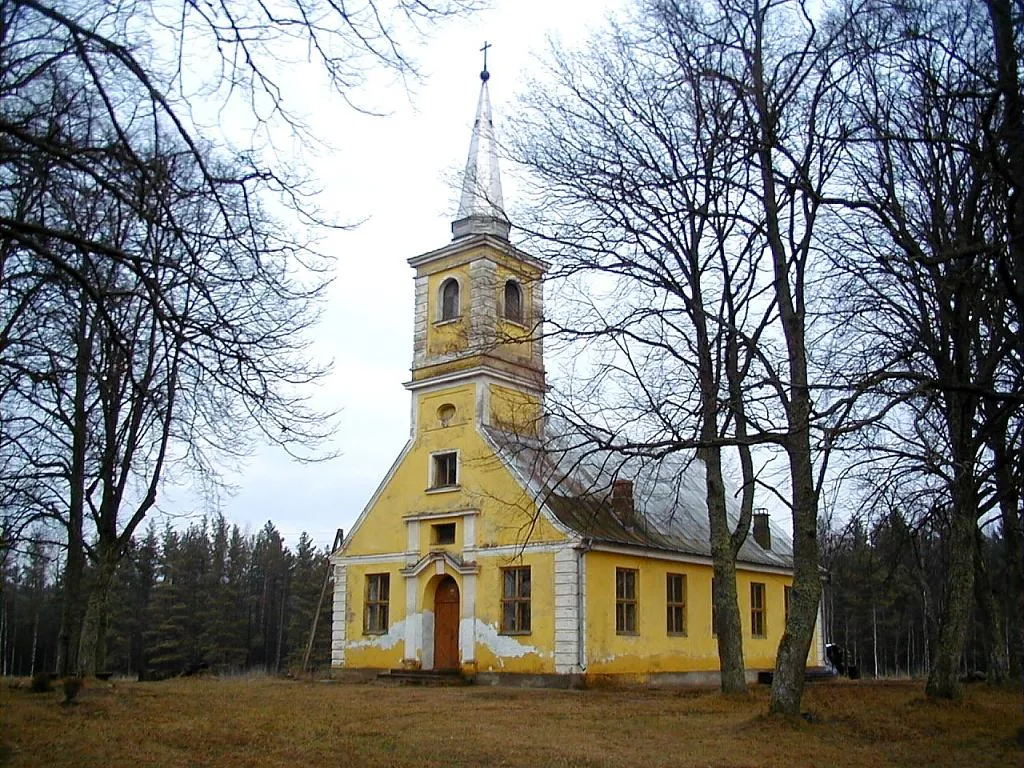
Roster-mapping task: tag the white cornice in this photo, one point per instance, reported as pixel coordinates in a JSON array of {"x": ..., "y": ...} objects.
[
  {"x": 473, "y": 374},
  {"x": 682, "y": 557},
  {"x": 474, "y": 241}
]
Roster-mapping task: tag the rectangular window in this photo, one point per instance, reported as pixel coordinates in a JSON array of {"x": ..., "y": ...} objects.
[
  {"x": 675, "y": 602},
  {"x": 787, "y": 594},
  {"x": 443, "y": 533},
  {"x": 515, "y": 601},
  {"x": 445, "y": 470},
  {"x": 714, "y": 610},
  {"x": 625, "y": 601},
  {"x": 757, "y": 622},
  {"x": 375, "y": 614}
]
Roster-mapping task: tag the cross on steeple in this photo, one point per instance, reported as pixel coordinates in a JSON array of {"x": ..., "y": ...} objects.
[{"x": 484, "y": 75}]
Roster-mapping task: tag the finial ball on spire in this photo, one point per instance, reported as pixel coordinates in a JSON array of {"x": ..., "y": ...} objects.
[{"x": 485, "y": 75}]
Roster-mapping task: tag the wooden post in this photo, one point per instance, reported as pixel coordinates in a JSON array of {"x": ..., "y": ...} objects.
[{"x": 339, "y": 537}]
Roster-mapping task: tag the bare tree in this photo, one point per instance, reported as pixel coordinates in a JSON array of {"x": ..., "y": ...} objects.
[
  {"x": 923, "y": 251},
  {"x": 689, "y": 161},
  {"x": 640, "y": 171},
  {"x": 154, "y": 315}
]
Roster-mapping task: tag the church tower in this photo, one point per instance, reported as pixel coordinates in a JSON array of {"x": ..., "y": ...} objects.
[{"x": 479, "y": 305}]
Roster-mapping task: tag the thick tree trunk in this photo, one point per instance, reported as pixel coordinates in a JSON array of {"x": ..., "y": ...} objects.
[
  {"x": 723, "y": 554},
  {"x": 72, "y": 609},
  {"x": 944, "y": 680},
  {"x": 730, "y": 627},
  {"x": 1013, "y": 549},
  {"x": 791, "y": 661},
  {"x": 92, "y": 651},
  {"x": 998, "y": 670}
]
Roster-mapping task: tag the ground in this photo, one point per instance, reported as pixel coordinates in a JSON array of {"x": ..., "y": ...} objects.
[{"x": 269, "y": 722}]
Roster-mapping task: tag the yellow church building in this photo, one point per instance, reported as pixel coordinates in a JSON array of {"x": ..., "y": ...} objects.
[{"x": 491, "y": 547}]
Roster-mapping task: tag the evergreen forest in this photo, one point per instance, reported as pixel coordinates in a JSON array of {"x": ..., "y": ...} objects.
[{"x": 208, "y": 597}]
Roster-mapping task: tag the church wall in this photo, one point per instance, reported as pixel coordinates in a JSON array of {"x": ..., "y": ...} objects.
[
  {"x": 451, "y": 336},
  {"x": 515, "y": 410},
  {"x": 517, "y": 342},
  {"x": 652, "y": 649},
  {"x": 532, "y": 652},
  {"x": 483, "y": 645},
  {"x": 364, "y": 649}
]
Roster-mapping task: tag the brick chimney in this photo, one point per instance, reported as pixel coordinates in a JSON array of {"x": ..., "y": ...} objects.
[
  {"x": 762, "y": 531},
  {"x": 623, "y": 504}
]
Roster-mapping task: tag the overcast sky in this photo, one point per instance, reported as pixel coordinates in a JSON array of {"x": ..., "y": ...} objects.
[{"x": 396, "y": 172}]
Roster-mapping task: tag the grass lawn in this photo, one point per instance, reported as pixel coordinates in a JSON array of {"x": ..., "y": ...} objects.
[{"x": 269, "y": 722}]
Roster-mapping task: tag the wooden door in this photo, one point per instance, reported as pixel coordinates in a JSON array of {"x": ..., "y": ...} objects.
[{"x": 446, "y": 624}]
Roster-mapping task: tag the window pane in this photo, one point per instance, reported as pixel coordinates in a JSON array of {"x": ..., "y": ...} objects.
[
  {"x": 509, "y": 586},
  {"x": 524, "y": 584},
  {"x": 513, "y": 302},
  {"x": 450, "y": 300},
  {"x": 524, "y": 617},
  {"x": 508, "y": 617}
]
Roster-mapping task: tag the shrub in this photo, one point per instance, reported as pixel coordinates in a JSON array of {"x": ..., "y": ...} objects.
[
  {"x": 42, "y": 682},
  {"x": 72, "y": 686}
]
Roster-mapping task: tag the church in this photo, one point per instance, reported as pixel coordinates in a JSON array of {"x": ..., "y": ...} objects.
[{"x": 495, "y": 549}]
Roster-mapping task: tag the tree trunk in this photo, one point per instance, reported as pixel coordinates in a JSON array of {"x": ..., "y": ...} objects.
[
  {"x": 992, "y": 622},
  {"x": 874, "y": 635},
  {"x": 730, "y": 631},
  {"x": 1013, "y": 549},
  {"x": 72, "y": 612},
  {"x": 944, "y": 680},
  {"x": 93, "y": 645},
  {"x": 730, "y": 627},
  {"x": 791, "y": 661}
]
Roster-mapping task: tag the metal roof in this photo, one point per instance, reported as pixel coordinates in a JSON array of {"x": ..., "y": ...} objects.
[{"x": 575, "y": 481}]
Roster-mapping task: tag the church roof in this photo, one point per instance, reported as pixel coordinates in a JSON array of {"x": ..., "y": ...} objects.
[
  {"x": 668, "y": 497},
  {"x": 481, "y": 208}
]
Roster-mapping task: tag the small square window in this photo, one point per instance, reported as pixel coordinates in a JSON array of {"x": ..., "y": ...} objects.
[
  {"x": 443, "y": 533},
  {"x": 445, "y": 470}
]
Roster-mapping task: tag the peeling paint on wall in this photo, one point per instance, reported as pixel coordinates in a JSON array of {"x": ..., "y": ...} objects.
[
  {"x": 395, "y": 635},
  {"x": 503, "y": 646}
]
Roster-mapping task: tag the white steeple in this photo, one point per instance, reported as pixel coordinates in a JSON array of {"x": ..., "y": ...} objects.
[{"x": 481, "y": 210}]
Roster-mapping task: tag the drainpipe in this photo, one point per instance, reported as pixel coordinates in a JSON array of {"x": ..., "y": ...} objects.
[{"x": 581, "y": 549}]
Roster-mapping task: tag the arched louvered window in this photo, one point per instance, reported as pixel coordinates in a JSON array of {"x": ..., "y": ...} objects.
[
  {"x": 513, "y": 301},
  {"x": 450, "y": 299}
]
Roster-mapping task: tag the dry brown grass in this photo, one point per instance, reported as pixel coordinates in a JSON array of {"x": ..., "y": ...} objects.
[{"x": 267, "y": 722}]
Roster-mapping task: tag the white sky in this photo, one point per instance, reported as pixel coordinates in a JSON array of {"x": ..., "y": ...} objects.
[{"x": 398, "y": 172}]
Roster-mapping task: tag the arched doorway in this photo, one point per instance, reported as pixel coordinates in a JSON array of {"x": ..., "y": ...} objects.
[{"x": 446, "y": 624}]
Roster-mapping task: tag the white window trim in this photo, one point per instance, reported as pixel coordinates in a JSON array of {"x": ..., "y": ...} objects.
[
  {"x": 431, "y": 488},
  {"x": 521, "y": 322},
  {"x": 439, "y": 317}
]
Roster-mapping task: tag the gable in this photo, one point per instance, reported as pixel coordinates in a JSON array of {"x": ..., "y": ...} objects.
[{"x": 504, "y": 511}]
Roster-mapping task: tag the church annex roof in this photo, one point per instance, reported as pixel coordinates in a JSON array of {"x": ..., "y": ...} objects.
[
  {"x": 669, "y": 511},
  {"x": 481, "y": 208}
]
